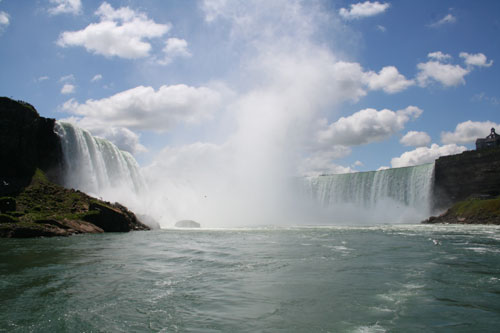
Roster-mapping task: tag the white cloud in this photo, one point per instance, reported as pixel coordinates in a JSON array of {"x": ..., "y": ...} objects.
[
  {"x": 4, "y": 20},
  {"x": 477, "y": 59},
  {"x": 357, "y": 164},
  {"x": 96, "y": 78},
  {"x": 363, "y": 9},
  {"x": 424, "y": 155},
  {"x": 65, "y": 7},
  {"x": 381, "y": 28},
  {"x": 122, "y": 32},
  {"x": 416, "y": 139},
  {"x": 468, "y": 132},
  {"x": 68, "y": 89},
  {"x": 42, "y": 78},
  {"x": 143, "y": 108},
  {"x": 366, "y": 126},
  {"x": 175, "y": 47},
  {"x": 446, "y": 74},
  {"x": 388, "y": 80},
  {"x": 448, "y": 19},
  {"x": 439, "y": 56}
]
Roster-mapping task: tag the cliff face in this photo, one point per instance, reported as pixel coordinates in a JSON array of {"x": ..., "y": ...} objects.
[
  {"x": 472, "y": 173},
  {"x": 27, "y": 142}
]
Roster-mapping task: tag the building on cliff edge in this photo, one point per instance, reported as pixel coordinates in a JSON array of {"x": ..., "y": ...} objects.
[{"x": 492, "y": 140}]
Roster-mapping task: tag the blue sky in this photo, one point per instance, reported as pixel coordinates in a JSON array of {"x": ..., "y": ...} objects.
[{"x": 307, "y": 86}]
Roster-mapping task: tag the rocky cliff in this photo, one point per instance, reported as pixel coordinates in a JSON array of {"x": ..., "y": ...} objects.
[
  {"x": 27, "y": 142},
  {"x": 31, "y": 203},
  {"x": 473, "y": 173}
]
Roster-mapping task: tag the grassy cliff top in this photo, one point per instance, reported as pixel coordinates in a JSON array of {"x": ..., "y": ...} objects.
[{"x": 477, "y": 208}]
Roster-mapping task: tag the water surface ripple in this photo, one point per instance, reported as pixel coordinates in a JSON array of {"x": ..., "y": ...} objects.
[{"x": 407, "y": 278}]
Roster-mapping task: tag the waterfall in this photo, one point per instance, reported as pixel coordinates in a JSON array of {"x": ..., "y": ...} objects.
[
  {"x": 96, "y": 166},
  {"x": 403, "y": 193}
]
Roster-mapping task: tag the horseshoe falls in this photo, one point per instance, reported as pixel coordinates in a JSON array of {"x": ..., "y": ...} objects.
[
  {"x": 400, "y": 195},
  {"x": 386, "y": 196},
  {"x": 97, "y": 167}
]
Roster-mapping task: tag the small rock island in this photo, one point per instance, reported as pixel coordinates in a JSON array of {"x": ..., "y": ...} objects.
[{"x": 187, "y": 224}]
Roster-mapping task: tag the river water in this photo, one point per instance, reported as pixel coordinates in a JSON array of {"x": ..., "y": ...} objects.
[{"x": 393, "y": 278}]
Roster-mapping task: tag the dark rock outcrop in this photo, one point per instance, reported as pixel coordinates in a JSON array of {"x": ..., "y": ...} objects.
[
  {"x": 472, "y": 173},
  {"x": 113, "y": 217},
  {"x": 27, "y": 142}
]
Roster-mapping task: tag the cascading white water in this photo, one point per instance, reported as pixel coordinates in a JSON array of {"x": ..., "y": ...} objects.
[
  {"x": 402, "y": 193},
  {"x": 97, "y": 166}
]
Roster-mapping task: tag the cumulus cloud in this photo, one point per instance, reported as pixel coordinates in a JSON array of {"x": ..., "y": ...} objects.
[
  {"x": 96, "y": 78},
  {"x": 65, "y": 7},
  {"x": 363, "y": 9},
  {"x": 175, "y": 47},
  {"x": 120, "y": 32},
  {"x": 436, "y": 70},
  {"x": 446, "y": 74},
  {"x": 143, "y": 108},
  {"x": 68, "y": 89},
  {"x": 415, "y": 139},
  {"x": 366, "y": 126},
  {"x": 388, "y": 80},
  {"x": 448, "y": 19},
  {"x": 423, "y": 155},
  {"x": 468, "y": 132},
  {"x": 477, "y": 59}
]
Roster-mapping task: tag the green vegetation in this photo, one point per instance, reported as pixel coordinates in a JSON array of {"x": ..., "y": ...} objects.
[
  {"x": 477, "y": 208},
  {"x": 43, "y": 203},
  {"x": 471, "y": 211},
  {"x": 46, "y": 209}
]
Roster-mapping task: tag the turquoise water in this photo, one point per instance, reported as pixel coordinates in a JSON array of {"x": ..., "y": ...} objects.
[{"x": 407, "y": 278}]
